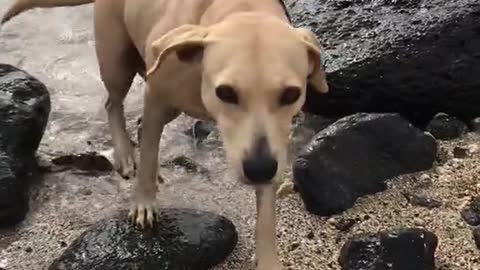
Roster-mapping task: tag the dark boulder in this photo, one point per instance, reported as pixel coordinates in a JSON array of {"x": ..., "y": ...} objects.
[
  {"x": 182, "y": 239},
  {"x": 355, "y": 156},
  {"x": 471, "y": 214},
  {"x": 414, "y": 57},
  {"x": 24, "y": 111},
  {"x": 445, "y": 127},
  {"x": 410, "y": 248}
]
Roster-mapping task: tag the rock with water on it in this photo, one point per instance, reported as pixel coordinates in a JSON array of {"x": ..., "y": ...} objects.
[
  {"x": 402, "y": 249},
  {"x": 445, "y": 127},
  {"x": 355, "y": 156},
  {"x": 24, "y": 112},
  {"x": 184, "y": 239},
  {"x": 413, "y": 57}
]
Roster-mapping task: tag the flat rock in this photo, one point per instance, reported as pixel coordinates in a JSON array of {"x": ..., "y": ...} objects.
[
  {"x": 355, "y": 156},
  {"x": 24, "y": 112},
  {"x": 445, "y": 127},
  {"x": 414, "y": 57},
  {"x": 408, "y": 248},
  {"x": 182, "y": 239}
]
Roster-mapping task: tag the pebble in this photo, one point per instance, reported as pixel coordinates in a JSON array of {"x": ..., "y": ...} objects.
[
  {"x": 331, "y": 221},
  {"x": 294, "y": 246},
  {"x": 473, "y": 148},
  {"x": 424, "y": 177},
  {"x": 419, "y": 222},
  {"x": 440, "y": 170},
  {"x": 344, "y": 224},
  {"x": 460, "y": 152},
  {"x": 471, "y": 214},
  {"x": 421, "y": 200}
]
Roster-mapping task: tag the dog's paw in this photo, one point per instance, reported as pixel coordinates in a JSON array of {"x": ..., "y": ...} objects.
[
  {"x": 143, "y": 215},
  {"x": 124, "y": 162}
]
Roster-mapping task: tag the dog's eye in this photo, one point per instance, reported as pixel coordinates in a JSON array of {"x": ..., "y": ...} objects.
[
  {"x": 289, "y": 96},
  {"x": 227, "y": 94}
]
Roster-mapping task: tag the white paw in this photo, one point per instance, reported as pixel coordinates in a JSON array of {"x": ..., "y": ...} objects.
[{"x": 143, "y": 215}]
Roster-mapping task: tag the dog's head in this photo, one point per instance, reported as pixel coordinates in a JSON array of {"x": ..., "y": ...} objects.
[{"x": 254, "y": 77}]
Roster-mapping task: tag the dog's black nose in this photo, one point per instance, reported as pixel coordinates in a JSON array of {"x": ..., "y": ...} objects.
[
  {"x": 260, "y": 167},
  {"x": 261, "y": 170}
]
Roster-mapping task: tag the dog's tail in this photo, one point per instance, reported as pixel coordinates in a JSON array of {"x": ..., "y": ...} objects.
[{"x": 23, "y": 5}]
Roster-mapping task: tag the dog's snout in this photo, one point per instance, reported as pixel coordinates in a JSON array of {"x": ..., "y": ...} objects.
[{"x": 260, "y": 166}]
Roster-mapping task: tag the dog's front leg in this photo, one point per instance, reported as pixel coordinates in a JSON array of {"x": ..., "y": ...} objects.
[
  {"x": 266, "y": 257},
  {"x": 155, "y": 117}
]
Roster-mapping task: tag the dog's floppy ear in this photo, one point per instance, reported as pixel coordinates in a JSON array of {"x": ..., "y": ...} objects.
[
  {"x": 187, "y": 41},
  {"x": 317, "y": 77}
]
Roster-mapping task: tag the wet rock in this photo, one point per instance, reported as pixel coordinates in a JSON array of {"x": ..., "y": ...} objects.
[
  {"x": 182, "y": 239},
  {"x": 355, "y": 156},
  {"x": 88, "y": 163},
  {"x": 471, "y": 214},
  {"x": 445, "y": 127},
  {"x": 414, "y": 57},
  {"x": 408, "y": 248},
  {"x": 476, "y": 236},
  {"x": 24, "y": 112},
  {"x": 421, "y": 200}
]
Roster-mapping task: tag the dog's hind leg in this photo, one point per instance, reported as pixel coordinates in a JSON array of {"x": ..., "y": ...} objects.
[{"x": 118, "y": 61}]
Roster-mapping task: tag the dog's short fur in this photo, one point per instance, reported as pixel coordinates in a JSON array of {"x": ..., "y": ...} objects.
[{"x": 237, "y": 62}]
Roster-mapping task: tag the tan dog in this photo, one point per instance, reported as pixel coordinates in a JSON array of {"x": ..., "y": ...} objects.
[{"x": 238, "y": 62}]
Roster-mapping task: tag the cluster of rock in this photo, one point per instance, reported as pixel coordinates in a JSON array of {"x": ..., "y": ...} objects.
[{"x": 402, "y": 75}]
